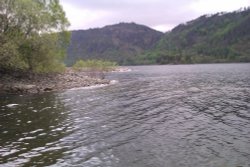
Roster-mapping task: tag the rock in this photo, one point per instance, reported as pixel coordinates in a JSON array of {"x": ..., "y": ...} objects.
[
  {"x": 27, "y": 87},
  {"x": 194, "y": 90},
  {"x": 122, "y": 69},
  {"x": 47, "y": 89},
  {"x": 45, "y": 83},
  {"x": 113, "y": 82},
  {"x": 21, "y": 88}
]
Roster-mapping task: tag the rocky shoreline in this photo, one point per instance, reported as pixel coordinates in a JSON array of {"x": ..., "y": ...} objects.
[{"x": 19, "y": 84}]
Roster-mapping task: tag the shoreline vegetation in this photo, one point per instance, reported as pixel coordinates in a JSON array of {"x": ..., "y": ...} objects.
[{"x": 33, "y": 45}]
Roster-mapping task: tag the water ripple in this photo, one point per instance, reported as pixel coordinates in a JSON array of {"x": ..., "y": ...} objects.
[{"x": 193, "y": 115}]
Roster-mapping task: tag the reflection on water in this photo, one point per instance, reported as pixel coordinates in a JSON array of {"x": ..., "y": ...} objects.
[{"x": 185, "y": 115}]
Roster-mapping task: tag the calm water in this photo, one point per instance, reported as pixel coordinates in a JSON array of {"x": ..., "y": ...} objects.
[{"x": 155, "y": 116}]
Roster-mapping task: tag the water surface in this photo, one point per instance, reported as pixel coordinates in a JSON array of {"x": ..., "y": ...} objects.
[{"x": 155, "y": 116}]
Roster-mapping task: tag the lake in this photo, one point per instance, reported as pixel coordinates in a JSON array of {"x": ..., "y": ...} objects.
[{"x": 154, "y": 116}]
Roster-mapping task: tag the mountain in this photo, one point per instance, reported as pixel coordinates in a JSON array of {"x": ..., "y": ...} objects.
[
  {"x": 217, "y": 38},
  {"x": 221, "y": 37},
  {"x": 121, "y": 43}
]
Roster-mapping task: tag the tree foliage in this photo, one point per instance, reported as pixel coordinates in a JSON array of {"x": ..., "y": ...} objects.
[
  {"x": 220, "y": 37},
  {"x": 217, "y": 38},
  {"x": 119, "y": 43},
  {"x": 29, "y": 35}
]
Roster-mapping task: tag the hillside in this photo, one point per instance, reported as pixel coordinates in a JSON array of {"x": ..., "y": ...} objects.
[
  {"x": 217, "y": 38},
  {"x": 120, "y": 43},
  {"x": 222, "y": 37}
]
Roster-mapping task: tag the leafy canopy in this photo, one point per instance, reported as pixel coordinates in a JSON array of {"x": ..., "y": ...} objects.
[{"x": 29, "y": 35}]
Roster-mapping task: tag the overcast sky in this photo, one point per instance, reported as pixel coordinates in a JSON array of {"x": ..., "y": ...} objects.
[{"x": 161, "y": 15}]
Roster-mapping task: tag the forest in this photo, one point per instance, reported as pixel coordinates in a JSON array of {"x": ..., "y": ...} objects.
[{"x": 216, "y": 38}]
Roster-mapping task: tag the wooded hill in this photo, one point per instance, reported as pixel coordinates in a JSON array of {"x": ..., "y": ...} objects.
[
  {"x": 221, "y": 37},
  {"x": 121, "y": 43}
]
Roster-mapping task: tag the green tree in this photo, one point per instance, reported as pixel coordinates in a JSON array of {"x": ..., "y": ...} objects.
[{"x": 32, "y": 35}]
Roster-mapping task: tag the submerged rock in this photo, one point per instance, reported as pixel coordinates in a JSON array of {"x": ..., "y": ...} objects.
[{"x": 194, "y": 90}]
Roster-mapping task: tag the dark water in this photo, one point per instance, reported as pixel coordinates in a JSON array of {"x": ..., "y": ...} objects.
[{"x": 155, "y": 116}]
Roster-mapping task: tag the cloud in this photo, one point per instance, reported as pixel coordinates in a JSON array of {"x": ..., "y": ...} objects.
[
  {"x": 83, "y": 17},
  {"x": 214, "y": 6},
  {"x": 159, "y": 14},
  {"x": 164, "y": 27}
]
